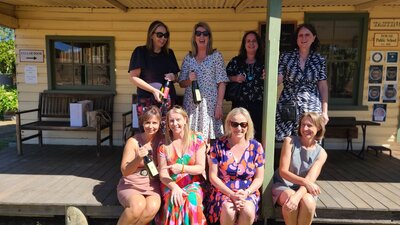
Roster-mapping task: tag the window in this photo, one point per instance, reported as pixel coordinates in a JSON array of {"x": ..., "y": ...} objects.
[
  {"x": 81, "y": 63},
  {"x": 343, "y": 43}
]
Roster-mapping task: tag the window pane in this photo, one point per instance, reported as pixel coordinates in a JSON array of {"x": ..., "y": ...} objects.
[
  {"x": 63, "y": 51},
  {"x": 81, "y": 62},
  {"x": 64, "y": 74},
  {"x": 340, "y": 44},
  {"x": 342, "y": 79}
]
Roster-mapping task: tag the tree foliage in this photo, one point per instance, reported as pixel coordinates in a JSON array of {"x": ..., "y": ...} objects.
[{"x": 7, "y": 51}]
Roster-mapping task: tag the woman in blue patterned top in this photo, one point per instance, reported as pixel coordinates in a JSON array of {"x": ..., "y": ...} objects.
[
  {"x": 248, "y": 69},
  {"x": 303, "y": 74}
]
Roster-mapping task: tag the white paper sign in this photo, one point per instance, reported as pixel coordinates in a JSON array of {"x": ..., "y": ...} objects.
[
  {"x": 30, "y": 74},
  {"x": 135, "y": 119}
]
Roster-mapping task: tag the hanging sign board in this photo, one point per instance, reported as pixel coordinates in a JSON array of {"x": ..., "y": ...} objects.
[
  {"x": 384, "y": 24},
  {"x": 386, "y": 40},
  {"x": 36, "y": 56}
]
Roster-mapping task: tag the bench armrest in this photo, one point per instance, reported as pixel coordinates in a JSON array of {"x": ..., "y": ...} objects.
[{"x": 27, "y": 111}]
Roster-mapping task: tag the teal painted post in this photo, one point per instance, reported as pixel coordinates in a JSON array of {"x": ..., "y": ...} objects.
[{"x": 272, "y": 37}]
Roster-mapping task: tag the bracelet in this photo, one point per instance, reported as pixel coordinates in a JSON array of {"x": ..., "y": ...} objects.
[
  {"x": 248, "y": 191},
  {"x": 183, "y": 167}
]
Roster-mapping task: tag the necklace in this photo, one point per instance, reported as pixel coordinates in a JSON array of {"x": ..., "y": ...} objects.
[{"x": 250, "y": 68}]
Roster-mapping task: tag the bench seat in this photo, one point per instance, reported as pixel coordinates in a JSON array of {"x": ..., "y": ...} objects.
[{"x": 53, "y": 114}]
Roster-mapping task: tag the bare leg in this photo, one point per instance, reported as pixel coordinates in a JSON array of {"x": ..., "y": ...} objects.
[
  {"x": 290, "y": 217},
  {"x": 132, "y": 213},
  {"x": 247, "y": 214},
  {"x": 153, "y": 203},
  {"x": 228, "y": 214},
  {"x": 307, "y": 207}
]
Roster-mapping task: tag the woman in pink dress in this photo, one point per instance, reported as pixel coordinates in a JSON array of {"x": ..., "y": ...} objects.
[
  {"x": 182, "y": 163},
  {"x": 137, "y": 193}
]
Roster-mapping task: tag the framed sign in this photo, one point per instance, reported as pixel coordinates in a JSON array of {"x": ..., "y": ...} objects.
[
  {"x": 33, "y": 56},
  {"x": 287, "y": 32},
  {"x": 386, "y": 40}
]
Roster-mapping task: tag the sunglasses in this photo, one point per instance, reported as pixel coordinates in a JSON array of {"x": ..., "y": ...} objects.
[
  {"x": 199, "y": 33},
  {"x": 161, "y": 34},
  {"x": 236, "y": 124}
]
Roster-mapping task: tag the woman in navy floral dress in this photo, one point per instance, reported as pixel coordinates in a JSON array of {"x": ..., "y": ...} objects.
[
  {"x": 303, "y": 74},
  {"x": 248, "y": 69},
  {"x": 236, "y": 171}
]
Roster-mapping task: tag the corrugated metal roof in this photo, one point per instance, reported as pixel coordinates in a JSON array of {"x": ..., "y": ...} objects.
[{"x": 191, "y": 4}]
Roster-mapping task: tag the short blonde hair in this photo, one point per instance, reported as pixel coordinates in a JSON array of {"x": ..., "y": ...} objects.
[
  {"x": 239, "y": 111},
  {"x": 168, "y": 133},
  {"x": 318, "y": 120}
]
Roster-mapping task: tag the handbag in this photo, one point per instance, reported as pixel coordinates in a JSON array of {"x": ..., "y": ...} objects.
[
  {"x": 104, "y": 118},
  {"x": 233, "y": 91},
  {"x": 288, "y": 111}
]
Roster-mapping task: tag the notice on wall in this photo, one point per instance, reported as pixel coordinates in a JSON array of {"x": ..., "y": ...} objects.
[
  {"x": 386, "y": 40},
  {"x": 30, "y": 74},
  {"x": 379, "y": 113}
]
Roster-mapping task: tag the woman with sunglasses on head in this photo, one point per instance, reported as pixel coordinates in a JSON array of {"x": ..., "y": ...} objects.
[
  {"x": 181, "y": 165},
  {"x": 206, "y": 65},
  {"x": 247, "y": 70},
  {"x": 236, "y": 171},
  {"x": 152, "y": 65},
  {"x": 137, "y": 193},
  {"x": 301, "y": 161}
]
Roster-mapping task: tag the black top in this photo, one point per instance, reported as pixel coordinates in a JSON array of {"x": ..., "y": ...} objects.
[{"x": 153, "y": 68}]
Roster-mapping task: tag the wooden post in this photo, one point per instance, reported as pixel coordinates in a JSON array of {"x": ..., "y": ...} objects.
[{"x": 272, "y": 37}]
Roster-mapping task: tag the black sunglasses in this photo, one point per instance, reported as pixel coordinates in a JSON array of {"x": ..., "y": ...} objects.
[
  {"x": 242, "y": 124},
  {"x": 161, "y": 34},
  {"x": 199, "y": 33}
]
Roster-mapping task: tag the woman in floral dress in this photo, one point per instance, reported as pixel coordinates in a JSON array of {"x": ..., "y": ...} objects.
[
  {"x": 205, "y": 65},
  {"x": 248, "y": 69},
  {"x": 236, "y": 171},
  {"x": 181, "y": 165}
]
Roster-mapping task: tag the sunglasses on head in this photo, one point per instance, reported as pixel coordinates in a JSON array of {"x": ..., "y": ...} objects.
[
  {"x": 161, "y": 34},
  {"x": 199, "y": 33},
  {"x": 236, "y": 124}
]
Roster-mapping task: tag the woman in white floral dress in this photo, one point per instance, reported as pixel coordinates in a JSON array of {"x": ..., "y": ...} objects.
[{"x": 205, "y": 65}]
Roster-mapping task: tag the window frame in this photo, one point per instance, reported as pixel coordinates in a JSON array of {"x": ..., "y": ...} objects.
[
  {"x": 50, "y": 60},
  {"x": 357, "y": 101}
]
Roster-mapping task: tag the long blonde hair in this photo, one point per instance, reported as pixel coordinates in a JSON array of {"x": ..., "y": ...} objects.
[{"x": 168, "y": 133}]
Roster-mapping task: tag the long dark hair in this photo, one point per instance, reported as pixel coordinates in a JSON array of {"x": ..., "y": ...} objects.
[
  {"x": 315, "y": 45},
  {"x": 152, "y": 28},
  {"x": 259, "y": 52}
]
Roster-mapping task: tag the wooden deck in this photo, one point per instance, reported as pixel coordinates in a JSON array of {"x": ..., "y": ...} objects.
[{"x": 45, "y": 180}]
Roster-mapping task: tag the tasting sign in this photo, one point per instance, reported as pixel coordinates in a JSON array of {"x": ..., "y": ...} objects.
[{"x": 35, "y": 56}]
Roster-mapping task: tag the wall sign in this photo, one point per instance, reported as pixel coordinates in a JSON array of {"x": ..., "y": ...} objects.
[
  {"x": 26, "y": 55},
  {"x": 386, "y": 40},
  {"x": 384, "y": 24}
]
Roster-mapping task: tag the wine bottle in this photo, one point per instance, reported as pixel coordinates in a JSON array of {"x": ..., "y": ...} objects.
[
  {"x": 196, "y": 92},
  {"x": 165, "y": 90},
  {"x": 150, "y": 166}
]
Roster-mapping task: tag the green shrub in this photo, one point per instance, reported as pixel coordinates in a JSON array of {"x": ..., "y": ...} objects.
[{"x": 8, "y": 99}]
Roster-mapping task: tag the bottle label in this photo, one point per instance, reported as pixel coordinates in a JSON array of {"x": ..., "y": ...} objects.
[
  {"x": 197, "y": 95},
  {"x": 151, "y": 167}
]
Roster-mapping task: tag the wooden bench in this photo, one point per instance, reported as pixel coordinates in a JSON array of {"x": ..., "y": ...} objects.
[
  {"x": 342, "y": 127},
  {"x": 53, "y": 114}
]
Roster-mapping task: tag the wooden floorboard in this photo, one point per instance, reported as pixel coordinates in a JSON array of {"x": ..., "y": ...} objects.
[{"x": 45, "y": 180}]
